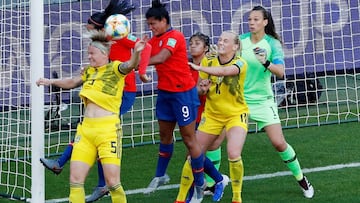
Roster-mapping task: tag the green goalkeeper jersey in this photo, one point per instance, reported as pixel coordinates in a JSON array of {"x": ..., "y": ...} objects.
[{"x": 258, "y": 79}]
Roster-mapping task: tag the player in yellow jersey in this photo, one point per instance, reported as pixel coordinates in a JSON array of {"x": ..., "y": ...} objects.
[
  {"x": 100, "y": 133},
  {"x": 222, "y": 80}
]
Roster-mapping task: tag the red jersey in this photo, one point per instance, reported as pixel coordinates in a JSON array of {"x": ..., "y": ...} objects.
[
  {"x": 202, "y": 98},
  {"x": 174, "y": 74},
  {"x": 121, "y": 50}
]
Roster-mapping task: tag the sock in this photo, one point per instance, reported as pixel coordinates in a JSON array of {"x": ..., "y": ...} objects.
[
  {"x": 215, "y": 158},
  {"x": 210, "y": 169},
  {"x": 165, "y": 153},
  {"x": 197, "y": 165},
  {"x": 101, "y": 180},
  {"x": 77, "y": 193},
  {"x": 66, "y": 155},
  {"x": 117, "y": 194},
  {"x": 289, "y": 158},
  {"x": 186, "y": 181},
  {"x": 236, "y": 175}
]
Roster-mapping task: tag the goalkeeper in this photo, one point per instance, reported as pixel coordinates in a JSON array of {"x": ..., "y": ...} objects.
[{"x": 264, "y": 54}]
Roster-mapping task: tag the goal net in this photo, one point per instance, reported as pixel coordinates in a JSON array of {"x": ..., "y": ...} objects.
[{"x": 321, "y": 44}]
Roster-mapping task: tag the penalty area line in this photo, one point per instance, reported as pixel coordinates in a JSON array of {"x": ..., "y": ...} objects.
[
  {"x": 263, "y": 176},
  {"x": 246, "y": 178}
]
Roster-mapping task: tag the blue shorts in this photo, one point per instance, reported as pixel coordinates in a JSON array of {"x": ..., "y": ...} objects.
[
  {"x": 180, "y": 107},
  {"x": 128, "y": 100}
]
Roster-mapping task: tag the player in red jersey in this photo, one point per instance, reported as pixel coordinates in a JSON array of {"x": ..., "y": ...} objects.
[{"x": 177, "y": 100}]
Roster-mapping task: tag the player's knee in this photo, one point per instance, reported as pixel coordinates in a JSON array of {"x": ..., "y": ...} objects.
[
  {"x": 111, "y": 182},
  {"x": 233, "y": 153},
  {"x": 280, "y": 146},
  {"x": 76, "y": 179}
]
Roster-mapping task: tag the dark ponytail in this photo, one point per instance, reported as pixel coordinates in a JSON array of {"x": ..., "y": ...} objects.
[{"x": 115, "y": 7}]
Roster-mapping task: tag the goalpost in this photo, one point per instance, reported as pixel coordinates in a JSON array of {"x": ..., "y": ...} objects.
[{"x": 321, "y": 41}]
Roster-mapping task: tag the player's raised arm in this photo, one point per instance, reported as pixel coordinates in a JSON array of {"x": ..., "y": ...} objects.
[
  {"x": 135, "y": 57},
  {"x": 67, "y": 83}
]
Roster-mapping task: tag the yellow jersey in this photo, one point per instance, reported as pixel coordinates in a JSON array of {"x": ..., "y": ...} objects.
[
  {"x": 103, "y": 86},
  {"x": 226, "y": 93}
]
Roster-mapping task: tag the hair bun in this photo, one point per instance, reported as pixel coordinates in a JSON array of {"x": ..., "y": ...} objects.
[
  {"x": 157, "y": 4},
  {"x": 119, "y": 7}
]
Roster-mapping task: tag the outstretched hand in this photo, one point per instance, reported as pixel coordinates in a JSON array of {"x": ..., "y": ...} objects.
[
  {"x": 43, "y": 81},
  {"x": 193, "y": 66},
  {"x": 140, "y": 45},
  {"x": 213, "y": 51},
  {"x": 204, "y": 85},
  {"x": 145, "y": 78}
]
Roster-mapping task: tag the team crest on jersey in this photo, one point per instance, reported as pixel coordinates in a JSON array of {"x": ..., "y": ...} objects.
[{"x": 171, "y": 42}]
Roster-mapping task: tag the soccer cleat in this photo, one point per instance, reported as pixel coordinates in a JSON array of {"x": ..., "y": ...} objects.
[
  {"x": 209, "y": 190},
  {"x": 220, "y": 187},
  {"x": 52, "y": 165},
  {"x": 306, "y": 187},
  {"x": 179, "y": 202},
  {"x": 198, "y": 195},
  {"x": 156, "y": 182},
  {"x": 98, "y": 193}
]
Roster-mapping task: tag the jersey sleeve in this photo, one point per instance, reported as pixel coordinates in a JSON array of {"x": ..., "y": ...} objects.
[
  {"x": 204, "y": 63},
  {"x": 145, "y": 58},
  {"x": 116, "y": 68},
  {"x": 277, "y": 53},
  {"x": 238, "y": 63},
  {"x": 83, "y": 76},
  {"x": 129, "y": 41},
  {"x": 173, "y": 41}
]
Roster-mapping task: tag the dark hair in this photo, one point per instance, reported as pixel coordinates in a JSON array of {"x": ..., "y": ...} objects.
[
  {"x": 98, "y": 20},
  {"x": 158, "y": 11},
  {"x": 115, "y": 7},
  {"x": 202, "y": 37},
  {"x": 270, "y": 27}
]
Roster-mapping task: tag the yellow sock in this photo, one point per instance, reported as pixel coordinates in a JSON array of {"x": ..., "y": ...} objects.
[
  {"x": 117, "y": 194},
  {"x": 236, "y": 175},
  {"x": 77, "y": 193},
  {"x": 186, "y": 181}
]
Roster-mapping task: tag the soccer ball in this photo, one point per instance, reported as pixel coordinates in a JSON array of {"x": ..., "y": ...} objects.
[{"x": 117, "y": 26}]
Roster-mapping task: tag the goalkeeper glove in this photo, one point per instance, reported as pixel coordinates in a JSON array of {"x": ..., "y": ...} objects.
[
  {"x": 212, "y": 53},
  {"x": 261, "y": 56}
]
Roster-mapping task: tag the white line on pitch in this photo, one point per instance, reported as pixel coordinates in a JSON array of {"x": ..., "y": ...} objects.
[{"x": 254, "y": 177}]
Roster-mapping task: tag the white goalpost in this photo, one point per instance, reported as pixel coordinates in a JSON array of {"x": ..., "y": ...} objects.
[
  {"x": 321, "y": 40},
  {"x": 36, "y": 97}
]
